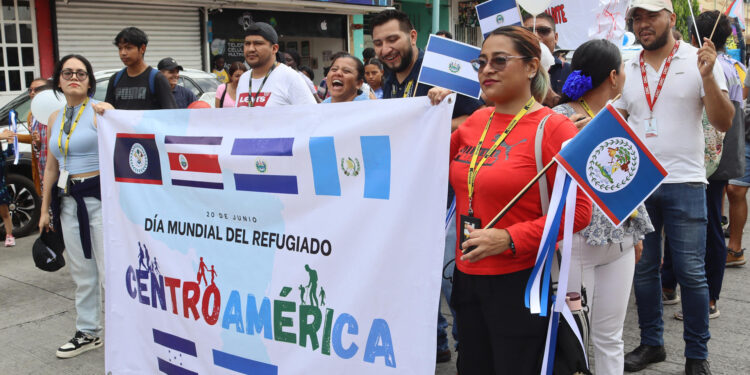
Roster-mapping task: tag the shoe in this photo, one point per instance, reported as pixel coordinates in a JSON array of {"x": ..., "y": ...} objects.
[
  {"x": 724, "y": 221},
  {"x": 10, "y": 241},
  {"x": 697, "y": 367},
  {"x": 642, "y": 356},
  {"x": 80, "y": 343},
  {"x": 735, "y": 258},
  {"x": 669, "y": 298},
  {"x": 713, "y": 313},
  {"x": 726, "y": 232},
  {"x": 443, "y": 356}
]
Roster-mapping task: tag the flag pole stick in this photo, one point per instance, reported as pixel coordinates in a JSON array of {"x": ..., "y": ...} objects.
[
  {"x": 717, "y": 20},
  {"x": 697, "y": 34},
  {"x": 518, "y": 196}
]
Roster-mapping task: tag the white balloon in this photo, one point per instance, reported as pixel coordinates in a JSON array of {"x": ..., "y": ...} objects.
[
  {"x": 534, "y": 7},
  {"x": 45, "y": 103},
  {"x": 629, "y": 39}
]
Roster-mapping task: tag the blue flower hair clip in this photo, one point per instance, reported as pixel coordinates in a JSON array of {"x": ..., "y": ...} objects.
[{"x": 576, "y": 85}]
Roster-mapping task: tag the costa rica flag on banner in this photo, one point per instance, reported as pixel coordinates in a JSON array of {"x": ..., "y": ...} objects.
[
  {"x": 136, "y": 159},
  {"x": 611, "y": 165}
]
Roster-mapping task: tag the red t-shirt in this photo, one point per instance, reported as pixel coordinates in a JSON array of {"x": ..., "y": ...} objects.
[{"x": 502, "y": 176}]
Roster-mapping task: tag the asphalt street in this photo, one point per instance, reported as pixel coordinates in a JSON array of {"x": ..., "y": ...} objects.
[{"x": 37, "y": 315}]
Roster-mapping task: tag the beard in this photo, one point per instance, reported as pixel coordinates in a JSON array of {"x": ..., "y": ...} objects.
[
  {"x": 659, "y": 42},
  {"x": 406, "y": 59}
]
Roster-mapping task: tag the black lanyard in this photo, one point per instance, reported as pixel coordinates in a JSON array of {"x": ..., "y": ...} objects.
[{"x": 251, "y": 100}]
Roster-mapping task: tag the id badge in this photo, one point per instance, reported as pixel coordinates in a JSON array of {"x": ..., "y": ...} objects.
[
  {"x": 652, "y": 130},
  {"x": 62, "y": 181},
  {"x": 466, "y": 223}
]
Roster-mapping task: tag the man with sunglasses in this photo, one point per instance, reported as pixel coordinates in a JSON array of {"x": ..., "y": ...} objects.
[{"x": 544, "y": 28}]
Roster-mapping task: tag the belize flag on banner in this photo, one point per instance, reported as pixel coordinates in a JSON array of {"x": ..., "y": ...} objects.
[
  {"x": 136, "y": 159},
  {"x": 495, "y": 13},
  {"x": 447, "y": 64},
  {"x": 611, "y": 164}
]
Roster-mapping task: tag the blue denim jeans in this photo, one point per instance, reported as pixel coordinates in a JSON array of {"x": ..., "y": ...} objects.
[
  {"x": 88, "y": 274},
  {"x": 446, "y": 288},
  {"x": 680, "y": 211}
]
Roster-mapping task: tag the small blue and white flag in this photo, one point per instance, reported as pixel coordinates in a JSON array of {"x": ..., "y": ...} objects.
[
  {"x": 447, "y": 64},
  {"x": 265, "y": 165},
  {"x": 352, "y": 167},
  {"x": 495, "y": 13}
]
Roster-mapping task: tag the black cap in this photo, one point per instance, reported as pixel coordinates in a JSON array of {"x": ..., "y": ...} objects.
[
  {"x": 263, "y": 29},
  {"x": 168, "y": 63},
  {"x": 48, "y": 251}
]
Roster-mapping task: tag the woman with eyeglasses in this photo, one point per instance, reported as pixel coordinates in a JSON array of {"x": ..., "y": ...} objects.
[
  {"x": 604, "y": 257},
  {"x": 71, "y": 189},
  {"x": 492, "y": 158}
]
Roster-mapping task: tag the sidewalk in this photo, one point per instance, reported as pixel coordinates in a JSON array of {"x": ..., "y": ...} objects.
[{"x": 37, "y": 315}]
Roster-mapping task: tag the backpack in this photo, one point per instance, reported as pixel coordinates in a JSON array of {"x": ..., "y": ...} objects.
[{"x": 151, "y": 78}]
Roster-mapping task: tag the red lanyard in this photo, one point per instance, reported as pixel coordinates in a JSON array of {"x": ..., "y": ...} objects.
[{"x": 661, "y": 79}]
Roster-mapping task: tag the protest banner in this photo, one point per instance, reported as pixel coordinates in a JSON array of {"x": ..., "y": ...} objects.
[
  {"x": 578, "y": 21},
  {"x": 281, "y": 240}
]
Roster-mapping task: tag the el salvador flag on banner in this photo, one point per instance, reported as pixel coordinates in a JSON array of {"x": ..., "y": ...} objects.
[
  {"x": 136, "y": 159},
  {"x": 495, "y": 13},
  {"x": 339, "y": 165},
  {"x": 447, "y": 64},
  {"x": 267, "y": 165},
  {"x": 611, "y": 164}
]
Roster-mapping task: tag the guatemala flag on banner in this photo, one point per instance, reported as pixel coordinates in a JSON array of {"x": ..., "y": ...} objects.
[
  {"x": 611, "y": 164},
  {"x": 447, "y": 64},
  {"x": 495, "y": 13}
]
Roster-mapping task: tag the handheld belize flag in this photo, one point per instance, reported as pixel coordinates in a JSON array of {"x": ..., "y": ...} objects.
[
  {"x": 447, "y": 64},
  {"x": 495, "y": 13},
  {"x": 136, "y": 159},
  {"x": 611, "y": 164}
]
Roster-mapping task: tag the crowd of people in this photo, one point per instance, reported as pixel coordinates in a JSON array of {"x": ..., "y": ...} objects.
[{"x": 684, "y": 100}]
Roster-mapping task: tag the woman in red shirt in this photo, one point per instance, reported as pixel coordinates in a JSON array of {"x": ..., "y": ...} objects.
[{"x": 498, "y": 333}]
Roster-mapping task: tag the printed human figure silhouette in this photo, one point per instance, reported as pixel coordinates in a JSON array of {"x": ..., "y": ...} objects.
[
  {"x": 302, "y": 294},
  {"x": 312, "y": 285},
  {"x": 202, "y": 272},
  {"x": 155, "y": 266},
  {"x": 140, "y": 257},
  {"x": 148, "y": 261},
  {"x": 213, "y": 274},
  {"x": 322, "y": 296}
]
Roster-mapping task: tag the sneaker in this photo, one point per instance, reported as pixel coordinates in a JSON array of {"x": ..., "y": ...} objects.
[
  {"x": 10, "y": 241},
  {"x": 735, "y": 258},
  {"x": 642, "y": 356},
  {"x": 697, "y": 367},
  {"x": 669, "y": 298},
  {"x": 80, "y": 343},
  {"x": 713, "y": 313}
]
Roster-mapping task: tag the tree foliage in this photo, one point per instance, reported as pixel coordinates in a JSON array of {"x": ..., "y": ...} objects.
[{"x": 684, "y": 21}]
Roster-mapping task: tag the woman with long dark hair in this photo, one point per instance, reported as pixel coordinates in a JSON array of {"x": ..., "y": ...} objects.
[
  {"x": 604, "y": 257},
  {"x": 72, "y": 190},
  {"x": 226, "y": 92}
]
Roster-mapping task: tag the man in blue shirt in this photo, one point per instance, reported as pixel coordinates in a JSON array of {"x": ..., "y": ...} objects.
[{"x": 169, "y": 67}]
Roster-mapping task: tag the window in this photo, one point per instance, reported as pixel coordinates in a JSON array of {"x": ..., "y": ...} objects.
[{"x": 17, "y": 48}]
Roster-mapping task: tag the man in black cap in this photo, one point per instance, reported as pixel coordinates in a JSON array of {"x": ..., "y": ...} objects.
[
  {"x": 267, "y": 82},
  {"x": 169, "y": 67},
  {"x": 137, "y": 86}
]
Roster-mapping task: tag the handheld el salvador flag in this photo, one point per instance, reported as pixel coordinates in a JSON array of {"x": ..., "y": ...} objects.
[
  {"x": 611, "y": 164},
  {"x": 447, "y": 64},
  {"x": 495, "y": 13},
  {"x": 735, "y": 10},
  {"x": 136, "y": 159}
]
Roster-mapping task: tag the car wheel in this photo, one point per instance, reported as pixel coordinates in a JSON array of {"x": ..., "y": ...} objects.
[{"x": 25, "y": 205}]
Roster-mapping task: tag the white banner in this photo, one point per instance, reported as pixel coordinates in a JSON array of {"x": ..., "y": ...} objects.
[
  {"x": 283, "y": 240},
  {"x": 578, "y": 21}
]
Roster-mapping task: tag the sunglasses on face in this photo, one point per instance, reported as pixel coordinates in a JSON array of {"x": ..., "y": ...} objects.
[
  {"x": 497, "y": 63},
  {"x": 541, "y": 30},
  {"x": 80, "y": 74}
]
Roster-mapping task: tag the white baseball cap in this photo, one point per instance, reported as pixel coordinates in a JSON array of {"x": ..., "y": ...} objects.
[{"x": 650, "y": 5}]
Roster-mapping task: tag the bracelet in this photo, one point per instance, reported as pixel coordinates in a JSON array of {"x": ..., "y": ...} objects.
[{"x": 512, "y": 245}]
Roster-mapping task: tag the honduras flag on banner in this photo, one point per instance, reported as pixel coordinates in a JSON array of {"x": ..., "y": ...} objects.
[
  {"x": 611, "y": 164},
  {"x": 447, "y": 64},
  {"x": 495, "y": 13}
]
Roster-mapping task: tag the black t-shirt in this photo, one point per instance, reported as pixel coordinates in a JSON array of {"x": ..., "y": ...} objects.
[
  {"x": 134, "y": 92},
  {"x": 394, "y": 89}
]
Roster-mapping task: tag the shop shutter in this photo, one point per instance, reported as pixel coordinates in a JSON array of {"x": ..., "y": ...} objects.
[{"x": 89, "y": 28}]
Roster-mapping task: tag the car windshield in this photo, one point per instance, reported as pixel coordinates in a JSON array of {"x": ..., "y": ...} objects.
[{"x": 207, "y": 84}]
